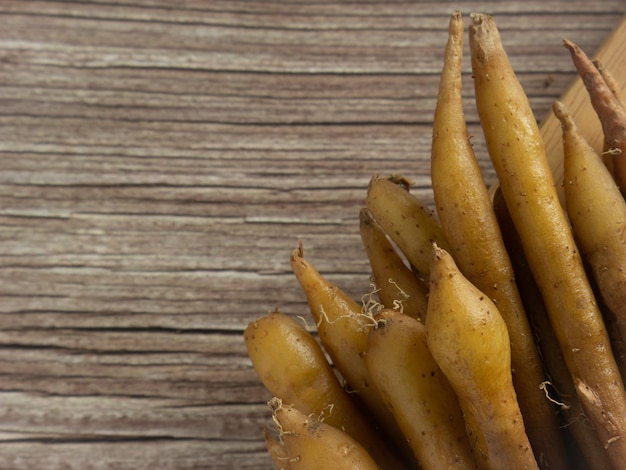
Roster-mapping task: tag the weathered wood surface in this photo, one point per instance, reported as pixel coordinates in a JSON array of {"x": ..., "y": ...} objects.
[{"x": 158, "y": 162}]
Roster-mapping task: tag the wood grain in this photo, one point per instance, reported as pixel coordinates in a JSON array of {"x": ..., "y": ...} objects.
[{"x": 159, "y": 161}]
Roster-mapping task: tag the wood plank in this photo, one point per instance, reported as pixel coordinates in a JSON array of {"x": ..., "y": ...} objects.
[
  {"x": 238, "y": 98},
  {"x": 138, "y": 454},
  {"x": 111, "y": 417}
]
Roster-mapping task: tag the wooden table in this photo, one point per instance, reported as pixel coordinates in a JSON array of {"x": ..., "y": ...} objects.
[{"x": 159, "y": 161}]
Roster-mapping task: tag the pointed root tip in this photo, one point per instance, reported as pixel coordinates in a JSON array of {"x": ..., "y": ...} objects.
[
  {"x": 563, "y": 115},
  {"x": 571, "y": 46},
  {"x": 438, "y": 252},
  {"x": 275, "y": 403},
  {"x": 298, "y": 253}
]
